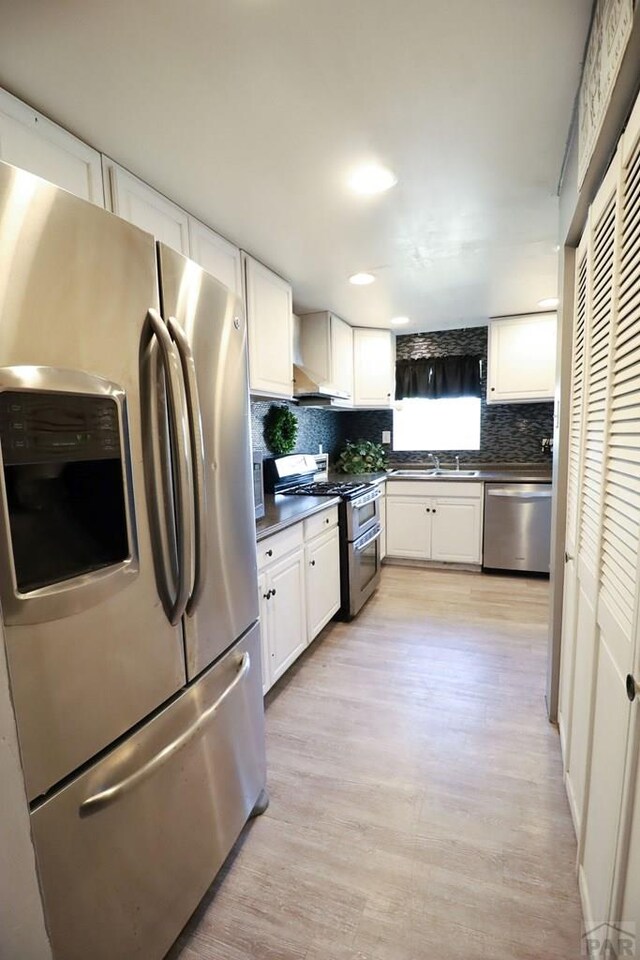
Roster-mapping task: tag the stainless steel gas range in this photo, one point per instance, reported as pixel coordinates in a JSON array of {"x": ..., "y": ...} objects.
[{"x": 359, "y": 515}]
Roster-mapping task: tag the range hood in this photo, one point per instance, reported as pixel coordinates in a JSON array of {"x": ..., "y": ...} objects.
[{"x": 310, "y": 393}]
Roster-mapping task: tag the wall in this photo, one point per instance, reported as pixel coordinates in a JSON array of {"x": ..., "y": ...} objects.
[
  {"x": 509, "y": 432},
  {"x": 314, "y": 426}
]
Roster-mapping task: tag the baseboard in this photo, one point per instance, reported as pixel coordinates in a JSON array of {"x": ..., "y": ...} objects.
[
  {"x": 431, "y": 564},
  {"x": 573, "y": 808}
]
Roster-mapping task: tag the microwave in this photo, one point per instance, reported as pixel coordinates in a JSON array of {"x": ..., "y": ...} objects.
[{"x": 258, "y": 485}]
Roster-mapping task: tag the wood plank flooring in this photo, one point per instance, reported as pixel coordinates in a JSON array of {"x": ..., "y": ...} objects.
[{"x": 417, "y": 806}]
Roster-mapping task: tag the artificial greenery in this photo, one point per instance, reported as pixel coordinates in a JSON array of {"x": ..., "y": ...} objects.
[
  {"x": 280, "y": 429},
  {"x": 362, "y": 456}
]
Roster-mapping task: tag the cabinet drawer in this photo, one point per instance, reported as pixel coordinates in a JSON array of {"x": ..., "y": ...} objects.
[
  {"x": 434, "y": 488},
  {"x": 279, "y": 545},
  {"x": 320, "y": 522}
]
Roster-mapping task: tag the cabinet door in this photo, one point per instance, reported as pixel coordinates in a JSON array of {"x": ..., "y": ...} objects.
[
  {"x": 522, "y": 359},
  {"x": 215, "y": 255},
  {"x": 323, "y": 581},
  {"x": 137, "y": 202},
  {"x": 373, "y": 356},
  {"x": 456, "y": 530},
  {"x": 342, "y": 356},
  {"x": 270, "y": 327},
  {"x": 408, "y": 528},
  {"x": 30, "y": 141},
  {"x": 287, "y": 617},
  {"x": 264, "y": 596}
]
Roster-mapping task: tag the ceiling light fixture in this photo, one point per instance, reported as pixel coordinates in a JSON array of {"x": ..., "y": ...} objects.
[
  {"x": 548, "y": 303},
  {"x": 372, "y": 179},
  {"x": 399, "y": 321},
  {"x": 362, "y": 279}
]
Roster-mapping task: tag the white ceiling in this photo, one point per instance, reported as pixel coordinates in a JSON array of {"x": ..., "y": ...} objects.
[{"x": 252, "y": 113}]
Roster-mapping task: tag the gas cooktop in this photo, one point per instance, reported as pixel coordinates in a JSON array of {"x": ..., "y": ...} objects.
[{"x": 329, "y": 488}]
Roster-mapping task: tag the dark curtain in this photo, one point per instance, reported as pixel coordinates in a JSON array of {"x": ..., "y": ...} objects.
[{"x": 438, "y": 378}]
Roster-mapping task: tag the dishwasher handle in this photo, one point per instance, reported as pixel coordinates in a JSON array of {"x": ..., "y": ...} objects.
[{"x": 520, "y": 494}]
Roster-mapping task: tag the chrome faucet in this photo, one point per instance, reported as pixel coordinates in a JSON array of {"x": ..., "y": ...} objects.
[
  {"x": 457, "y": 463},
  {"x": 436, "y": 460}
]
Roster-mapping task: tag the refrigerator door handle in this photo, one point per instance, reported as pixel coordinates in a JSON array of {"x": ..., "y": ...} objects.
[
  {"x": 197, "y": 449},
  {"x": 181, "y": 463},
  {"x": 110, "y": 794}
]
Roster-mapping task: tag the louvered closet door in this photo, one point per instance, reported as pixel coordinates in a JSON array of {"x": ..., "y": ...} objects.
[
  {"x": 576, "y": 403},
  {"x": 614, "y": 521},
  {"x": 580, "y": 604}
]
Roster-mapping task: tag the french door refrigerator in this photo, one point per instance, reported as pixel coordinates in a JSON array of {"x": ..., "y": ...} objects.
[{"x": 127, "y": 568}]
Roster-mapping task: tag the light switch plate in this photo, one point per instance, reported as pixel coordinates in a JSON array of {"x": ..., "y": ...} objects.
[{"x": 386, "y": 436}]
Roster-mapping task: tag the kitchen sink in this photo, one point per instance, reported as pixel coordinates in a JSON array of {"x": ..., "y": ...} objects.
[{"x": 434, "y": 472}]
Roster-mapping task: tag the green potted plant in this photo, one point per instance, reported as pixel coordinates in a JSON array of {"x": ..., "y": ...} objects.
[
  {"x": 362, "y": 456},
  {"x": 280, "y": 429}
]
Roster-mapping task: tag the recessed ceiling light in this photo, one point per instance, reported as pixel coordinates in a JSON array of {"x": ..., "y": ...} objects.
[
  {"x": 548, "y": 302},
  {"x": 362, "y": 279},
  {"x": 399, "y": 321},
  {"x": 372, "y": 179}
]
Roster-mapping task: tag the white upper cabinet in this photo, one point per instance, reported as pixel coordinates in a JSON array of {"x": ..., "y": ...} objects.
[
  {"x": 522, "y": 359},
  {"x": 268, "y": 304},
  {"x": 32, "y": 142},
  {"x": 137, "y": 202},
  {"x": 326, "y": 355},
  {"x": 215, "y": 255},
  {"x": 373, "y": 367}
]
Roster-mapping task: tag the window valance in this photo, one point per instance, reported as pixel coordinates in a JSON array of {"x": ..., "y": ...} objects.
[{"x": 437, "y": 378}]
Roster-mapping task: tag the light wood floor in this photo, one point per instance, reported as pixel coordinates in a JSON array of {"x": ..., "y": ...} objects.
[{"x": 417, "y": 806}]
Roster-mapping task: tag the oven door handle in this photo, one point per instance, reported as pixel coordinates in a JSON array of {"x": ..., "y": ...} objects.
[
  {"x": 368, "y": 498},
  {"x": 361, "y": 544}
]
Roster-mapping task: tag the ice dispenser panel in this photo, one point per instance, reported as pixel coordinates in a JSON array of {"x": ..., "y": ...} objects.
[{"x": 64, "y": 485}]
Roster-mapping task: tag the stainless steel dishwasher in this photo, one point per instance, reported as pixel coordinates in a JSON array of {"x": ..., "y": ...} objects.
[{"x": 517, "y": 526}]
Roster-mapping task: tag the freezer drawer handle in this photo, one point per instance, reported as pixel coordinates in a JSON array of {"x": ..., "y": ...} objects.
[
  {"x": 516, "y": 495},
  {"x": 197, "y": 447},
  {"x": 182, "y": 466},
  {"x": 105, "y": 797}
]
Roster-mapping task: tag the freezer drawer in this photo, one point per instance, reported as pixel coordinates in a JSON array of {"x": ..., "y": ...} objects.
[
  {"x": 517, "y": 526},
  {"x": 127, "y": 850}
]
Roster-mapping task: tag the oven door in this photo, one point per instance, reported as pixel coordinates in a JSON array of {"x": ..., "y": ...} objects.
[
  {"x": 364, "y": 569},
  {"x": 363, "y": 514}
]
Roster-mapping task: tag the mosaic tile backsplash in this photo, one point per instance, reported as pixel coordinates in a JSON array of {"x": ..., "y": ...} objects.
[
  {"x": 314, "y": 427},
  {"x": 510, "y": 433}
]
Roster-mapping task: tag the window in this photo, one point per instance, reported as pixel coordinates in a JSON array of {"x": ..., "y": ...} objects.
[{"x": 420, "y": 424}]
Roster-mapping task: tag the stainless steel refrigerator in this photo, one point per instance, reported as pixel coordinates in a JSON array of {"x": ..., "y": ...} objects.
[{"x": 127, "y": 568}]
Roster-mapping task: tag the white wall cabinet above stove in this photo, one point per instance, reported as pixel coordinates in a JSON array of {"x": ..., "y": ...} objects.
[
  {"x": 32, "y": 142},
  {"x": 137, "y": 202},
  {"x": 373, "y": 367},
  {"x": 326, "y": 355},
  {"x": 522, "y": 359},
  {"x": 268, "y": 302}
]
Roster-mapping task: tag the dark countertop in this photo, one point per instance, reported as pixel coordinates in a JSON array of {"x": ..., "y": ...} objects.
[
  {"x": 282, "y": 512},
  {"x": 489, "y": 473}
]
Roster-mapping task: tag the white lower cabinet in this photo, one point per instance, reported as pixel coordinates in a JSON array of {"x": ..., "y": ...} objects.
[
  {"x": 434, "y": 521},
  {"x": 283, "y": 615},
  {"x": 299, "y": 585},
  {"x": 323, "y": 581}
]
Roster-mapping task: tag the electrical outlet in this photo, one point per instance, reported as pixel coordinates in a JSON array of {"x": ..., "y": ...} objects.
[{"x": 386, "y": 436}]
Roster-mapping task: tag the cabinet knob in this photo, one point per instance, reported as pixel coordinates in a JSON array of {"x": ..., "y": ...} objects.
[
  {"x": 273, "y": 592},
  {"x": 567, "y": 557},
  {"x": 433, "y": 511},
  {"x": 266, "y": 595},
  {"x": 326, "y": 519},
  {"x": 428, "y": 510},
  {"x": 312, "y": 563},
  {"x": 269, "y": 553},
  {"x": 632, "y": 687},
  {"x": 493, "y": 389}
]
